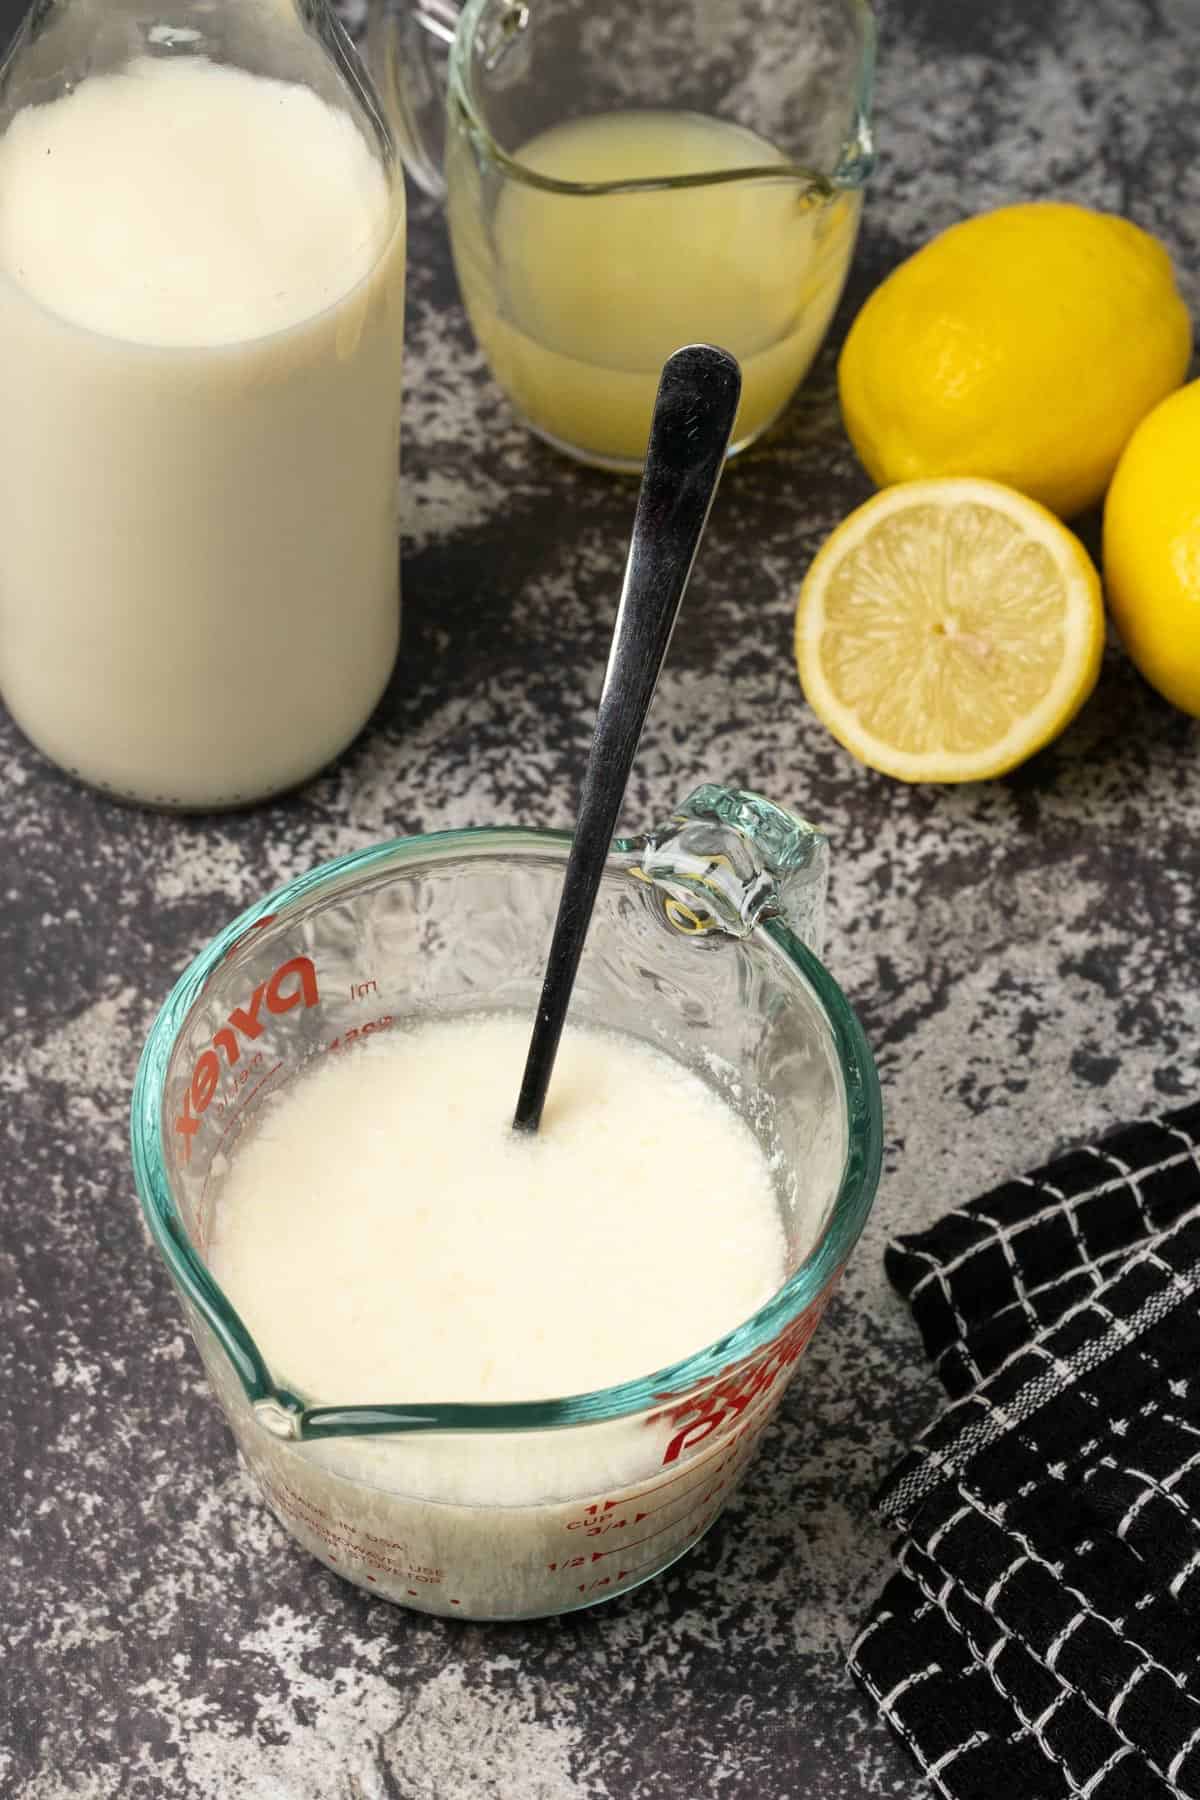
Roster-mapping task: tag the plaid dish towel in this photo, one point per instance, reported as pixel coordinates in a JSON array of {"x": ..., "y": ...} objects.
[{"x": 1041, "y": 1637}]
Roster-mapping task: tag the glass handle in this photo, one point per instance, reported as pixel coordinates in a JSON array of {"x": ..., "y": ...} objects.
[
  {"x": 408, "y": 44},
  {"x": 439, "y": 17},
  {"x": 728, "y": 859}
]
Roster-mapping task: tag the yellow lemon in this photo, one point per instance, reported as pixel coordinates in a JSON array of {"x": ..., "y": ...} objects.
[
  {"x": 948, "y": 629},
  {"x": 1152, "y": 548},
  {"x": 1024, "y": 345}
]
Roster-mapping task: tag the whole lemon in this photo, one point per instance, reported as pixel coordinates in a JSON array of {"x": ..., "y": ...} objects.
[
  {"x": 1152, "y": 548},
  {"x": 1023, "y": 345}
]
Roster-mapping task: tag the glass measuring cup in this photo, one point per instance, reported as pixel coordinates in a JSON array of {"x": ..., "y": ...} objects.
[
  {"x": 702, "y": 943},
  {"x": 594, "y": 232}
]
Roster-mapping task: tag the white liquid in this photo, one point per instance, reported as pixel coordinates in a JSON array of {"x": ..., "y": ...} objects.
[
  {"x": 201, "y": 300},
  {"x": 386, "y": 1237}
]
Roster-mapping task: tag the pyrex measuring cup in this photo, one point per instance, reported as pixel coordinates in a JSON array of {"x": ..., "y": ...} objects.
[
  {"x": 702, "y": 943},
  {"x": 624, "y": 178}
]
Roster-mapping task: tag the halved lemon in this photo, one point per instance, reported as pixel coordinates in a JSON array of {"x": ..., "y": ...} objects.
[{"x": 949, "y": 629}]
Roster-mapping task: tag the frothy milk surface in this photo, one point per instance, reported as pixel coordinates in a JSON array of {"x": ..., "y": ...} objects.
[
  {"x": 387, "y": 1238},
  {"x": 188, "y": 202},
  {"x": 201, "y": 318}
]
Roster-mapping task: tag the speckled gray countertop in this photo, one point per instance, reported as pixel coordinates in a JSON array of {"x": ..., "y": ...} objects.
[{"x": 1021, "y": 956}]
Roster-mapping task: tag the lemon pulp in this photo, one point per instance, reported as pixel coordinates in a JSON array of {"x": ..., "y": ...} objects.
[{"x": 948, "y": 630}]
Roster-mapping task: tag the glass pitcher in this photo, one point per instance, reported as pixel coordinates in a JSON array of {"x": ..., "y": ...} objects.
[
  {"x": 201, "y": 320},
  {"x": 703, "y": 943},
  {"x": 621, "y": 179}
]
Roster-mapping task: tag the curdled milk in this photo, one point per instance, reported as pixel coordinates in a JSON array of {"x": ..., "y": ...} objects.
[
  {"x": 201, "y": 299},
  {"x": 387, "y": 1238}
]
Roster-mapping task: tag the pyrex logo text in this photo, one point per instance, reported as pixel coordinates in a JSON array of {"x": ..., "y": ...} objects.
[
  {"x": 294, "y": 983},
  {"x": 739, "y": 1389}
]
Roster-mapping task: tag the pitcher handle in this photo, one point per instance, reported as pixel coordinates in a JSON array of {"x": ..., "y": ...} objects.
[{"x": 408, "y": 47}]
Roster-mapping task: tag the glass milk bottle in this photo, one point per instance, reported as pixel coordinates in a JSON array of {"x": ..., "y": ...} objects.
[{"x": 201, "y": 313}]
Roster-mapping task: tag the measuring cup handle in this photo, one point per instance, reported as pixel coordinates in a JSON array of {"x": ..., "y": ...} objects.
[
  {"x": 729, "y": 859},
  {"x": 408, "y": 47}
]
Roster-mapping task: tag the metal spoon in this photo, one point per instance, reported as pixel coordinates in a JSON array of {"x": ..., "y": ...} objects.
[{"x": 689, "y": 435}]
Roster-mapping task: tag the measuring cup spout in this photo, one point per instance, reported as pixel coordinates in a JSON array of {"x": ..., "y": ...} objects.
[{"x": 729, "y": 860}]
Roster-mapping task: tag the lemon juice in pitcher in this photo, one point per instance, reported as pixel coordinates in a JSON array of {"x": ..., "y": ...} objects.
[{"x": 578, "y": 296}]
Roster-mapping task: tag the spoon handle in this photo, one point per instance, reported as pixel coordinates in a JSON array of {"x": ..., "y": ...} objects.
[{"x": 689, "y": 436}]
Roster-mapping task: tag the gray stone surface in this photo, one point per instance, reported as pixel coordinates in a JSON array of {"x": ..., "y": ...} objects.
[{"x": 1021, "y": 955}]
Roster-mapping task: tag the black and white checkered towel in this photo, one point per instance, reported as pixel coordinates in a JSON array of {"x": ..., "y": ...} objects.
[{"x": 1041, "y": 1637}]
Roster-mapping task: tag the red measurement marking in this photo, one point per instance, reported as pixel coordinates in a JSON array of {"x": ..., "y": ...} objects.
[
  {"x": 602, "y": 1526},
  {"x": 705, "y": 1467},
  {"x": 371, "y": 1578},
  {"x": 632, "y": 1543},
  {"x": 244, "y": 1102},
  {"x": 697, "y": 1462},
  {"x": 650, "y": 1561},
  {"x": 235, "y": 1118},
  {"x": 741, "y": 1387},
  {"x": 456, "y": 1603},
  {"x": 414, "y": 1593},
  {"x": 651, "y": 1510},
  {"x": 359, "y": 1031}
]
